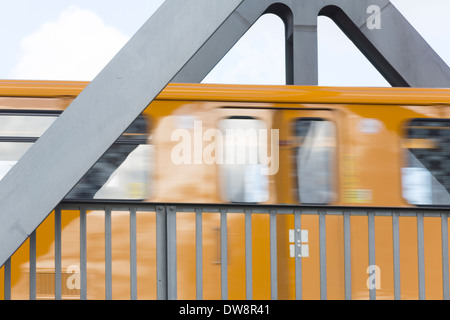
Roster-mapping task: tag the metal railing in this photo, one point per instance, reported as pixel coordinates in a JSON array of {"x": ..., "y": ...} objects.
[{"x": 166, "y": 245}]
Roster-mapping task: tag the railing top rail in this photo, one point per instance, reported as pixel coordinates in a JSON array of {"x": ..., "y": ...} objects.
[{"x": 255, "y": 208}]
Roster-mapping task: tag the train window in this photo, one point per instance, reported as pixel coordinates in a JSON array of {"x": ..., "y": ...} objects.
[
  {"x": 24, "y": 126},
  {"x": 243, "y": 175},
  {"x": 17, "y": 135},
  {"x": 314, "y": 158},
  {"x": 426, "y": 173},
  {"x": 123, "y": 171}
]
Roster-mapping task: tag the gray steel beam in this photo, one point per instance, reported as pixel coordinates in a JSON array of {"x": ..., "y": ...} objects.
[
  {"x": 396, "y": 49},
  {"x": 102, "y": 112},
  {"x": 301, "y": 41}
]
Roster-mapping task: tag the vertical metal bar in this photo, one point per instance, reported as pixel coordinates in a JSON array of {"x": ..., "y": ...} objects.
[
  {"x": 273, "y": 256},
  {"x": 298, "y": 254},
  {"x": 420, "y": 255},
  {"x": 248, "y": 255},
  {"x": 133, "y": 255},
  {"x": 199, "y": 253},
  {"x": 445, "y": 277},
  {"x": 171, "y": 253},
  {"x": 33, "y": 265},
  {"x": 371, "y": 224},
  {"x": 108, "y": 255},
  {"x": 223, "y": 254},
  {"x": 7, "y": 279},
  {"x": 347, "y": 256},
  {"x": 323, "y": 255},
  {"x": 83, "y": 255},
  {"x": 58, "y": 254},
  {"x": 161, "y": 253},
  {"x": 396, "y": 249}
]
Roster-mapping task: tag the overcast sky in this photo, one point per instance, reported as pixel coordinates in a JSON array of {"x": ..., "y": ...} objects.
[{"x": 75, "y": 39}]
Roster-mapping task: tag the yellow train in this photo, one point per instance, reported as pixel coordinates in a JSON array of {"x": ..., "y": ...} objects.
[{"x": 199, "y": 143}]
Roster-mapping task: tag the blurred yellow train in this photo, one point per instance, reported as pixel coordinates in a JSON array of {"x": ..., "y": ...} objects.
[{"x": 199, "y": 143}]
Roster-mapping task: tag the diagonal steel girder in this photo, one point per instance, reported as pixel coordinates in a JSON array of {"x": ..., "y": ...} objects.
[
  {"x": 102, "y": 112},
  {"x": 182, "y": 42}
]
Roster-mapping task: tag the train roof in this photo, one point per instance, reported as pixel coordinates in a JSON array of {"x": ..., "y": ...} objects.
[{"x": 248, "y": 93}]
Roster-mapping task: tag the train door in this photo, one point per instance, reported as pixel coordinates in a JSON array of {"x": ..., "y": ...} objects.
[
  {"x": 309, "y": 146},
  {"x": 308, "y": 152},
  {"x": 244, "y": 174}
]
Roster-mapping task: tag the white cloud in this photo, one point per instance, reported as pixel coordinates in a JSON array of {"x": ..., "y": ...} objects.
[{"x": 74, "y": 47}]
